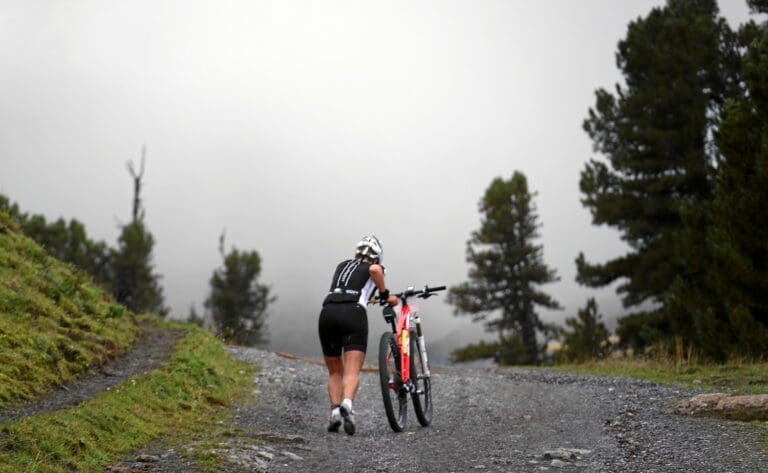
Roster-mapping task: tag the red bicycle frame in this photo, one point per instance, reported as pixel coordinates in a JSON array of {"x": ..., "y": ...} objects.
[{"x": 402, "y": 335}]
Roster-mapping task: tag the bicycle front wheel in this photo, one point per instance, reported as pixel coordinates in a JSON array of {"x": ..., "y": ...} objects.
[
  {"x": 422, "y": 395},
  {"x": 395, "y": 397}
]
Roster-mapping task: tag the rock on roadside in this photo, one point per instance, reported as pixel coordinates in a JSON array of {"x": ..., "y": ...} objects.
[{"x": 721, "y": 404}]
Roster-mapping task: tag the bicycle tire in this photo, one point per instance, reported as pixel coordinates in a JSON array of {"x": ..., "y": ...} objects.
[
  {"x": 422, "y": 395},
  {"x": 395, "y": 398}
]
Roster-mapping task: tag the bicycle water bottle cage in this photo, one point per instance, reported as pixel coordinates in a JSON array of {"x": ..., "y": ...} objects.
[{"x": 389, "y": 314}]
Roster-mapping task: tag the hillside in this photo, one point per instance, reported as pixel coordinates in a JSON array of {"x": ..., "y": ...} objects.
[
  {"x": 58, "y": 329},
  {"x": 54, "y": 323}
]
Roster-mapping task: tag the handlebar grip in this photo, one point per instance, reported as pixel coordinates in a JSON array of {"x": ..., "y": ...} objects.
[{"x": 435, "y": 289}]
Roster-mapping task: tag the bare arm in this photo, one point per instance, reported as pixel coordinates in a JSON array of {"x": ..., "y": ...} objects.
[{"x": 377, "y": 274}]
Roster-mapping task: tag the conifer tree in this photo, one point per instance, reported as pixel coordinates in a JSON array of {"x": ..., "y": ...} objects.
[
  {"x": 587, "y": 338},
  {"x": 134, "y": 282},
  {"x": 654, "y": 133},
  {"x": 237, "y": 302},
  {"x": 506, "y": 268},
  {"x": 727, "y": 307}
]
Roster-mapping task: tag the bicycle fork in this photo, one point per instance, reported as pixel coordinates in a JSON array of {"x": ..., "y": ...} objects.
[{"x": 422, "y": 346}]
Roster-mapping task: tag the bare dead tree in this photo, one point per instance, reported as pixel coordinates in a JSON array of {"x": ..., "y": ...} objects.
[
  {"x": 221, "y": 243},
  {"x": 138, "y": 212}
]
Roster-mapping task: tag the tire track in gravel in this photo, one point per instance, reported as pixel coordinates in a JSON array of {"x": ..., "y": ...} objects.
[{"x": 152, "y": 350}]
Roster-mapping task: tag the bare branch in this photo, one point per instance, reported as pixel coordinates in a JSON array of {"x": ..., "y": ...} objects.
[
  {"x": 138, "y": 212},
  {"x": 221, "y": 243}
]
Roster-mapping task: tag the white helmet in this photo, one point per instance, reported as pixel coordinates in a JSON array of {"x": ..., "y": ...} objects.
[{"x": 370, "y": 247}]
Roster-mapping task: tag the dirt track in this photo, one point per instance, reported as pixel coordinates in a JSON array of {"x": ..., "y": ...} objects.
[
  {"x": 486, "y": 419},
  {"x": 152, "y": 350}
]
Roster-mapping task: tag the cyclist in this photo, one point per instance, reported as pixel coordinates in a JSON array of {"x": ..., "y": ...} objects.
[{"x": 343, "y": 326}]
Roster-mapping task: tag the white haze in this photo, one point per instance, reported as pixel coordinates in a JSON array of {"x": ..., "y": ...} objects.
[{"x": 300, "y": 126}]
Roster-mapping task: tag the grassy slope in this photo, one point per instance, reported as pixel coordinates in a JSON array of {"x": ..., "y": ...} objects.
[
  {"x": 55, "y": 325},
  {"x": 186, "y": 395},
  {"x": 735, "y": 378}
]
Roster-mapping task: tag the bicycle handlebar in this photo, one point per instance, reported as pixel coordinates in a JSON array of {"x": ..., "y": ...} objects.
[{"x": 423, "y": 293}]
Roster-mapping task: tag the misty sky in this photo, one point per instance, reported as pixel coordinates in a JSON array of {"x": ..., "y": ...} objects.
[{"x": 300, "y": 126}]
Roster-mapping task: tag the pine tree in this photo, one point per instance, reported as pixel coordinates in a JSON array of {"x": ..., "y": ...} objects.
[
  {"x": 134, "y": 281},
  {"x": 506, "y": 269},
  {"x": 237, "y": 302},
  {"x": 655, "y": 136},
  {"x": 728, "y": 306},
  {"x": 588, "y": 337}
]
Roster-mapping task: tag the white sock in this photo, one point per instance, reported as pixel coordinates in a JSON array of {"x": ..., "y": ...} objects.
[
  {"x": 336, "y": 411},
  {"x": 347, "y": 403}
]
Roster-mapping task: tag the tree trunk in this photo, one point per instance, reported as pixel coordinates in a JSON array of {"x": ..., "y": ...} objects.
[{"x": 528, "y": 334}]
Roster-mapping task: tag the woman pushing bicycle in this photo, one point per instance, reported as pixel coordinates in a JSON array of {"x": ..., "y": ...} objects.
[{"x": 343, "y": 327}]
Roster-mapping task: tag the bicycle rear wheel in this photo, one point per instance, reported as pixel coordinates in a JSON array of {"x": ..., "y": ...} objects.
[
  {"x": 395, "y": 397},
  {"x": 422, "y": 395}
]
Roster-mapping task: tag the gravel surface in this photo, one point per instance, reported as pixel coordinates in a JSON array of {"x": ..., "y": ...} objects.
[
  {"x": 485, "y": 420},
  {"x": 153, "y": 349},
  {"x": 499, "y": 419}
]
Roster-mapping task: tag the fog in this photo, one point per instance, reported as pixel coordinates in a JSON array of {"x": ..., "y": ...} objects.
[{"x": 300, "y": 126}]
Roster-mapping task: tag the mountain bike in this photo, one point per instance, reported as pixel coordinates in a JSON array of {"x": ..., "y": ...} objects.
[{"x": 403, "y": 364}]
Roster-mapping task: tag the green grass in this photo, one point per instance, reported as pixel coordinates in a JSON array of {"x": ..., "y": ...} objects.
[
  {"x": 733, "y": 378},
  {"x": 54, "y": 322},
  {"x": 185, "y": 396}
]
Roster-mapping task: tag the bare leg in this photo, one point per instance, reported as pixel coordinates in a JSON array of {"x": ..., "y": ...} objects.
[
  {"x": 335, "y": 370},
  {"x": 353, "y": 363}
]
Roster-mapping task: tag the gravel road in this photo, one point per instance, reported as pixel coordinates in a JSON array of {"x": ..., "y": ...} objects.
[
  {"x": 490, "y": 420},
  {"x": 485, "y": 420}
]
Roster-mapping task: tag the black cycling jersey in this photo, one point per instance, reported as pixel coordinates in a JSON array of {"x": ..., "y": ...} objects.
[
  {"x": 351, "y": 283},
  {"x": 343, "y": 323}
]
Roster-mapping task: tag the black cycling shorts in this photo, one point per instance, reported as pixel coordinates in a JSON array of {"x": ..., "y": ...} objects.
[{"x": 343, "y": 325}]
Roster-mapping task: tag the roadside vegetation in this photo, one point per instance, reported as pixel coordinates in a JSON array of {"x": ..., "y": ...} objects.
[
  {"x": 736, "y": 377},
  {"x": 187, "y": 395},
  {"x": 54, "y": 323}
]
